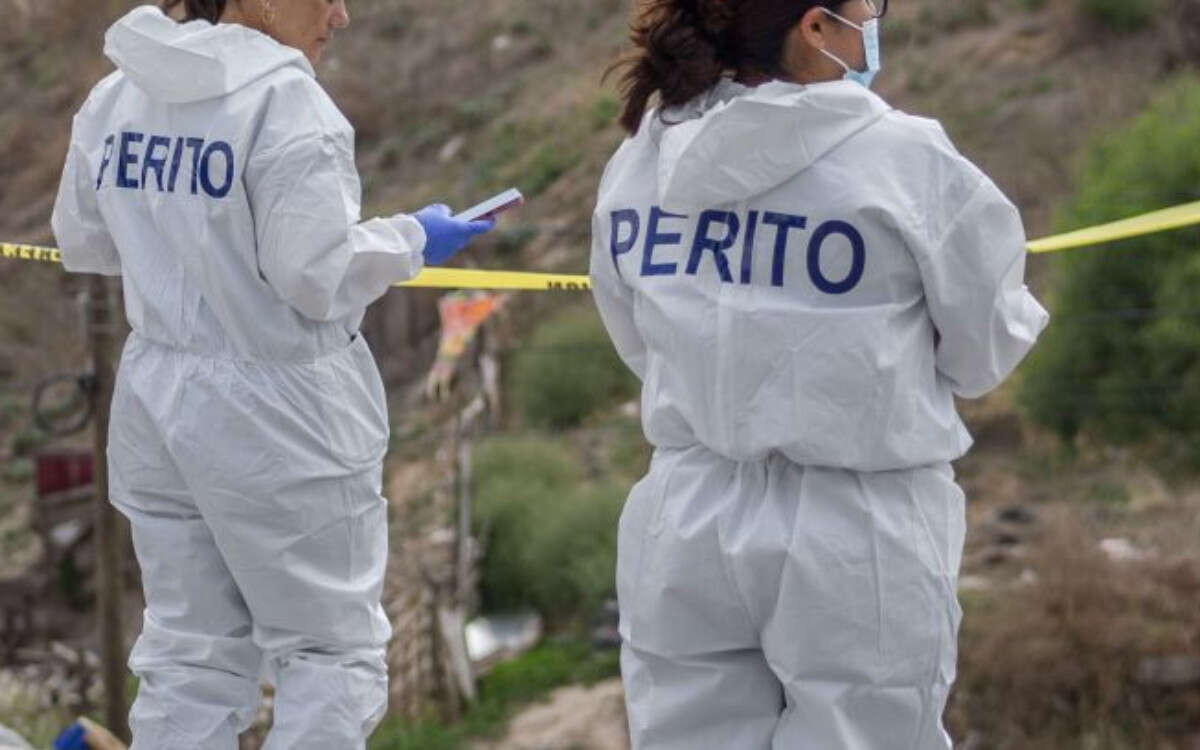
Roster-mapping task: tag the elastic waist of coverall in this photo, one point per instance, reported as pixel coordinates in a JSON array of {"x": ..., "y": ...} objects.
[
  {"x": 778, "y": 458},
  {"x": 353, "y": 341}
]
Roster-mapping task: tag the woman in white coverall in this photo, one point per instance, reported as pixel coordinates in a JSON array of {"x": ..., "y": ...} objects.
[
  {"x": 803, "y": 278},
  {"x": 215, "y": 175}
]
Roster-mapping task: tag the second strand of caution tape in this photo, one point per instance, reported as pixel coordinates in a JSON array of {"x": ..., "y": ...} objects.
[
  {"x": 461, "y": 278},
  {"x": 430, "y": 278}
]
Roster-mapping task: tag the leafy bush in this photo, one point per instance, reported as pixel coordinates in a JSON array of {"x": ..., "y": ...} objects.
[
  {"x": 11, "y": 408},
  {"x": 604, "y": 112},
  {"x": 548, "y": 163},
  {"x": 549, "y": 537},
  {"x": 1121, "y": 359},
  {"x": 568, "y": 370},
  {"x": 18, "y": 471},
  {"x": 619, "y": 444},
  {"x": 26, "y": 442},
  {"x": 1120, "y": 15}
]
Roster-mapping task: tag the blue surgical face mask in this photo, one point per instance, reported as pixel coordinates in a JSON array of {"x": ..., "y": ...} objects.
[{"x": 870, "y": 35}]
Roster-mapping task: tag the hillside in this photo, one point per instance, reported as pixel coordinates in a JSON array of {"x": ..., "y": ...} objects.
[{"x": 454, "y": 100}]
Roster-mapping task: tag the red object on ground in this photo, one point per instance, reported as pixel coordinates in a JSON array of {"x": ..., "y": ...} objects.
[{"x": 63, "y": 470}]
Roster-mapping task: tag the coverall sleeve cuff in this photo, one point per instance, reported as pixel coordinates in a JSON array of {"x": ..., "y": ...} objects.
[{"x": 414, "y": 236}]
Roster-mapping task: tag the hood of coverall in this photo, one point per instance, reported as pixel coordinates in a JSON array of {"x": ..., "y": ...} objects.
[
  {"x": 190, "y": 62},
  {"x": 737, "y": 142}
]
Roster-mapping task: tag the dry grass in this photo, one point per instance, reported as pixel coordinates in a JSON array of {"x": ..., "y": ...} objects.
[{"x": 1054, "y": 664}]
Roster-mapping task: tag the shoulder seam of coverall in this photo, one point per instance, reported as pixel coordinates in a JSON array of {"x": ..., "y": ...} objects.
[
  {"x": 962, "y": 210},
  {"x": 74, "y": 144},
  {"x": 317, "y": 104},
  {"x": 90, "y": 101},
  {"x": 105, "y": 244},
  {"x": 292, "y": 143}
]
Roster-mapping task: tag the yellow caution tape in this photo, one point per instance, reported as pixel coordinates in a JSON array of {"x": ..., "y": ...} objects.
[
  {"x": 30, "y": 252},
  {"x": 460, "y": 278},
  {"x": 1157, "y": 221},
  {"x": 430, "y": 278}
]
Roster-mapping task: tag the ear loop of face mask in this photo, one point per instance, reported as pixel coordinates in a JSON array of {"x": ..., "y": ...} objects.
[{"x": 870, "y": 36}]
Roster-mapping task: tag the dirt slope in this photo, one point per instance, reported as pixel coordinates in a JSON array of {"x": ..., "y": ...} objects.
[{"x": 456, "y": 99}]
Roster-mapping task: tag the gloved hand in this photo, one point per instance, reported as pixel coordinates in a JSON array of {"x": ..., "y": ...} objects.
[
  {"x": 444, "y": 235},
  {"x": 72, "y": 738}
]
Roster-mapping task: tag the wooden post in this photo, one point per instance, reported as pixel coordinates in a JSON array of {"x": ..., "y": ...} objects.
[
  {"x": 463, "y": 561},
  {"x": 102, "y": 326}
]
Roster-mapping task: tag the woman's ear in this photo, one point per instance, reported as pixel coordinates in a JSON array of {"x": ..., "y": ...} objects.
[
  {"x": 814, "y": 27},
  {"x": 802, "y": 58}
]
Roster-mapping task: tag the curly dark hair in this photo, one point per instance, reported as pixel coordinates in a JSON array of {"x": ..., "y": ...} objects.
[
  {"x": 209, "y": 10},
  {"x": 684, "y": 47}
]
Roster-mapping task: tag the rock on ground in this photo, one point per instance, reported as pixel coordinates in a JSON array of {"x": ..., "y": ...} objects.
[{"x": 572, "y": 718}]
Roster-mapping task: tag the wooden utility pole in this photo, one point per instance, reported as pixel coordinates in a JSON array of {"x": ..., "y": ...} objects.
[{"x": 109, "y": 545}]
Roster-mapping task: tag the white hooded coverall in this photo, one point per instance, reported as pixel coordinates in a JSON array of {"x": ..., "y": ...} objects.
[
  {"x": 249, "y": 424},
  {"x": 803, "y": 279}
]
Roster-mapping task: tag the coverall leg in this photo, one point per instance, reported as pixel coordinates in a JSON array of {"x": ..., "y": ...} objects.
[
  {"x": 769, "y": 605},
  {"x": 283, "y": 463},
  {"x": 196, "y": 661}
]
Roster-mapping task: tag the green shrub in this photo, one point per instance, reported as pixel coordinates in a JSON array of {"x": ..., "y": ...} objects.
[
  {"x": 509, "y": 686},
  {"x": 1121, "y": 360},
  {"x": 532, "y": 460},
  {"x": 11, "y": 409},
  {"x": 604, "y": 111},
  {"x": 26, "y": 442},
  {"x": 550, "y": 665},
  {"x": 420, "y": 735},
  {"x": 568, "y": 371},
  {"x": 18, "y": 471},
  {"x": 548, "y": 163},
  {"x": 1120, "y": 15},
  {"x": 511, "y": 238},
  {"x": 622, "y": 447},
  {"x": 549, "y": 537}
]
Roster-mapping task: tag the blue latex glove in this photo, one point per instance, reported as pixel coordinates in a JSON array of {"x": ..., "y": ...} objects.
[
  {"x": 444, "y": 235},
  {"x": 71, "y": 738}
]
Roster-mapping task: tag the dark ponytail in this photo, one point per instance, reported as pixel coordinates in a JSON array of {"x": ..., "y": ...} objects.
[
  {"x": 209, "y": 10},
  {"x": 684, "y": 47}
]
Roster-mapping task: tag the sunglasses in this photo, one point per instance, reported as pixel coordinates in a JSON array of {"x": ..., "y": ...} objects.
[{"x": 878, "y": 8}]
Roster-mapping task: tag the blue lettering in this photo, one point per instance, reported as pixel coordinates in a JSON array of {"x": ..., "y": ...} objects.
[
  {"x": 155, "y": 163},
  {"x": 195, "y": 144},
  {"x": 127, "y": 159},
  {"x": 225, "y": 150},
  {"x": 176, "y": 161},
  {"x": 784, "y": 223},
  {"x": 153, "y": 159},
  {"x": 748, "y": 247},
  {"x": 625, "y": 217},
  {"x": 105, "y": 159},
  {"x": 857, "y": 264},
  {"x": 702, "y": 242},
  {"x": 654, "y": 238},
  {"x": 625, "y": 225}
]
